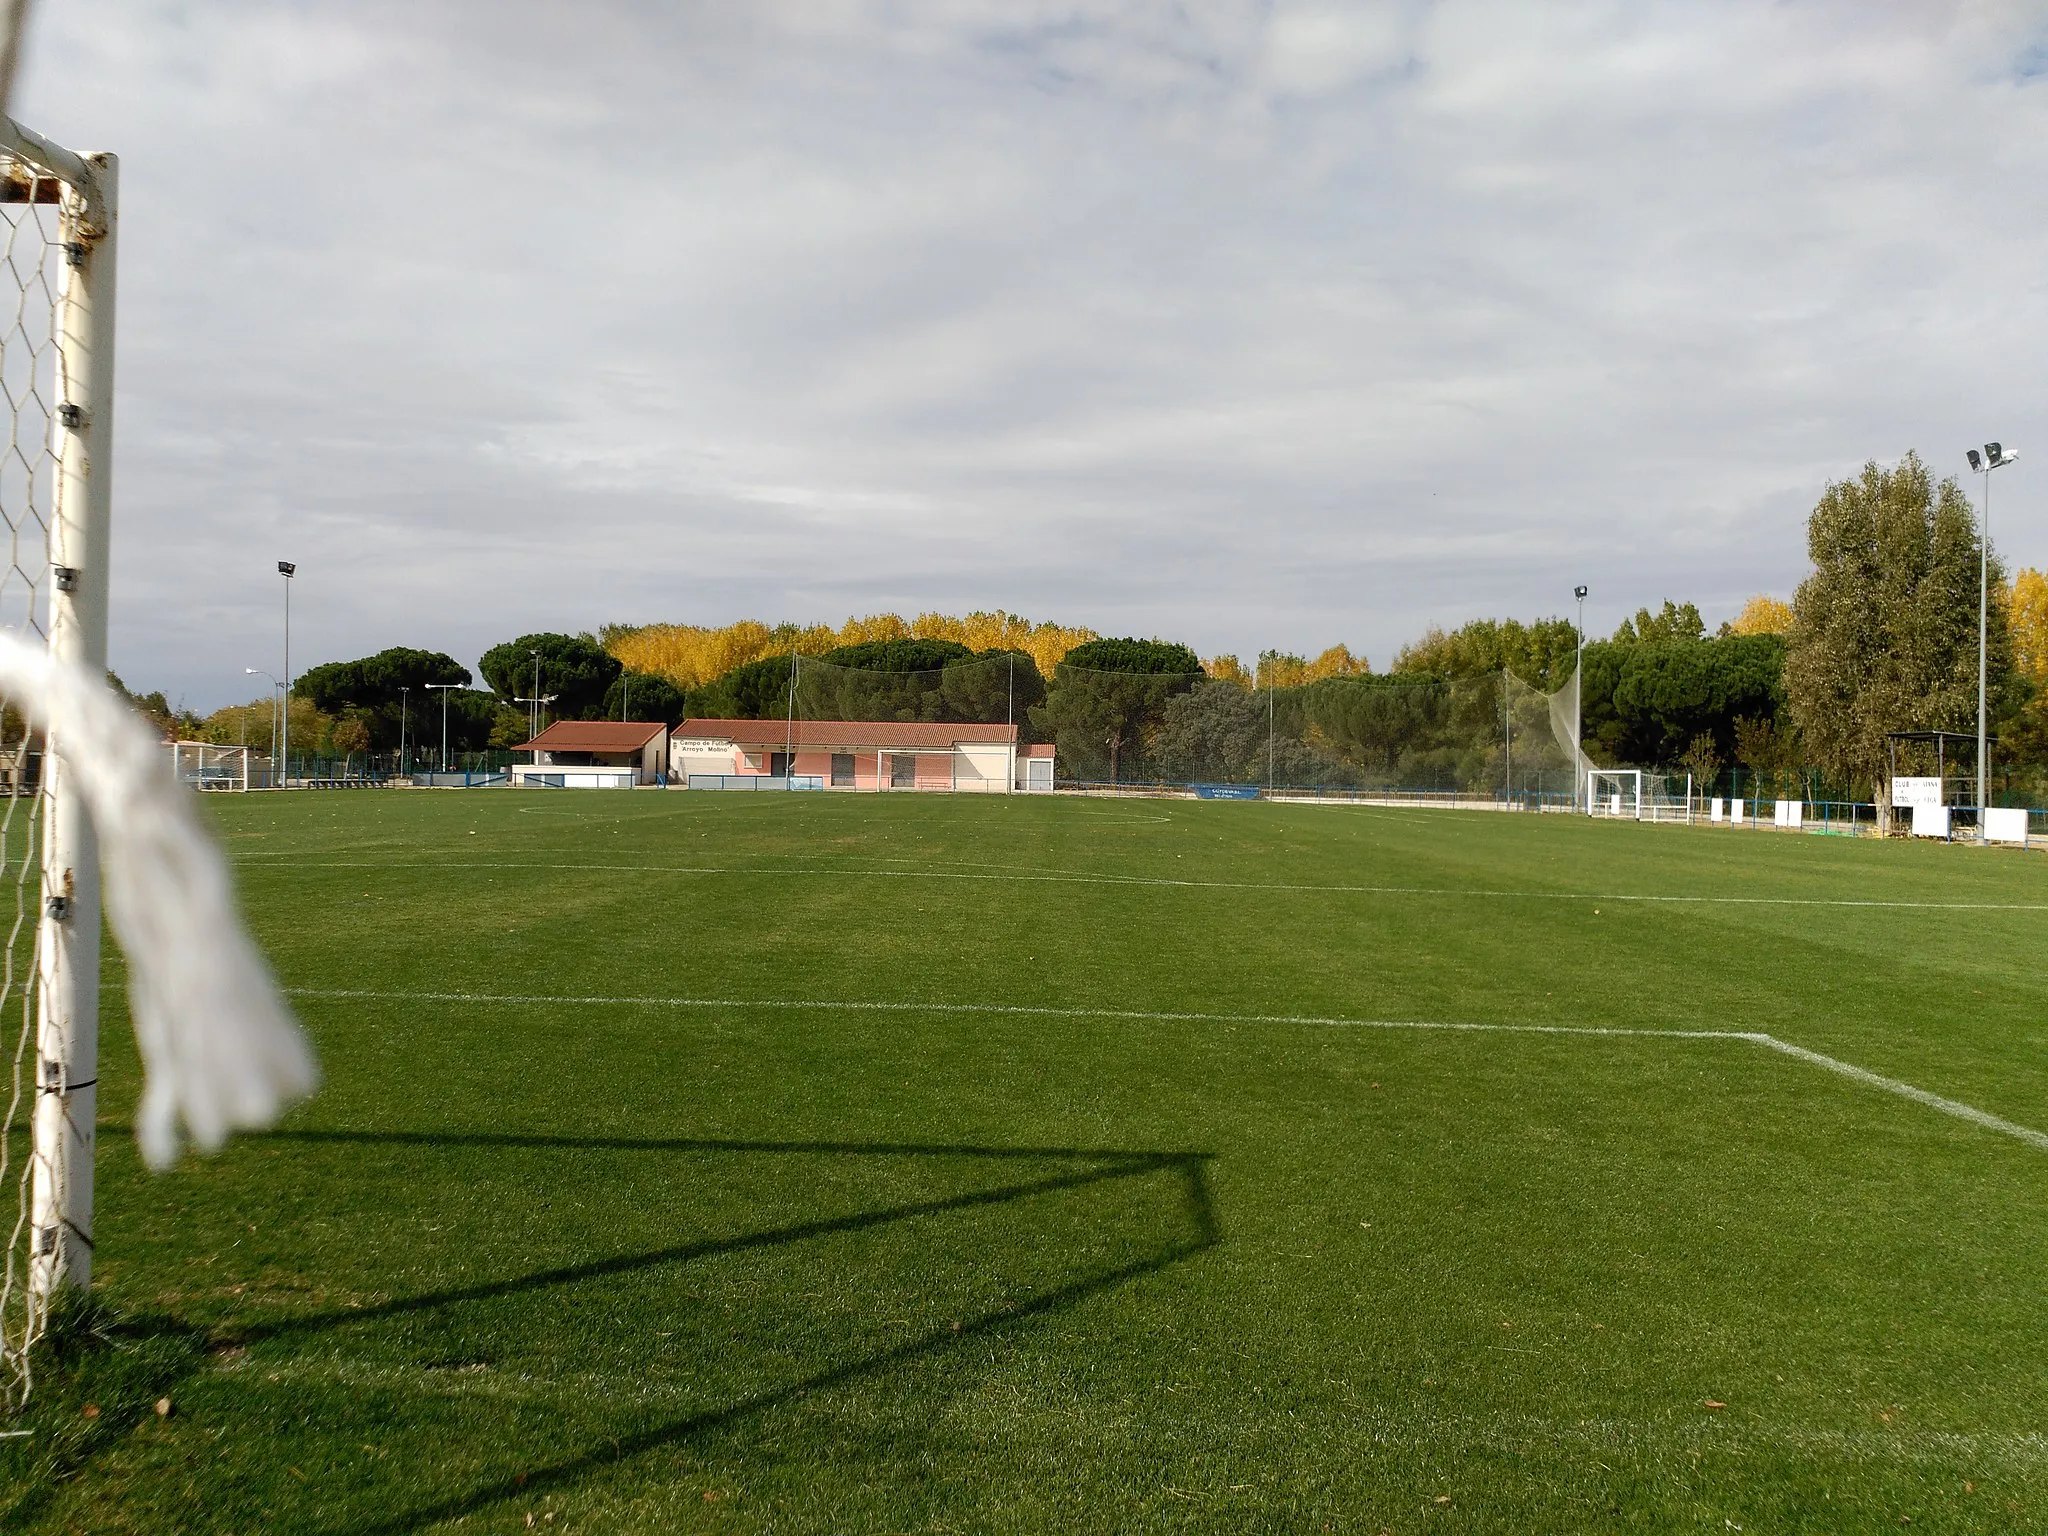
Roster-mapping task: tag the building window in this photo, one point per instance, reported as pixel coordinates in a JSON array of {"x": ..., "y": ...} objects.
[
  {"x": 778, "y": 765},
  {"x": 903, "y": 770},
  {"x": 842, "y": 770}
]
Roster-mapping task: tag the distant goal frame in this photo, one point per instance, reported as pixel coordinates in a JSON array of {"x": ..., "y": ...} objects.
[{"x": 1626, "y": 807}]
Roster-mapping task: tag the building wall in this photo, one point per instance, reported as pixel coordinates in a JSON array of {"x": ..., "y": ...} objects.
[
  {"x": 973, "y": 766},
  {"x": 982, "y": 766}
]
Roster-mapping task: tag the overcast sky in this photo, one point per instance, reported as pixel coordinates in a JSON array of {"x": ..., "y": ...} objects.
[{"x": 1243, "y": 324}]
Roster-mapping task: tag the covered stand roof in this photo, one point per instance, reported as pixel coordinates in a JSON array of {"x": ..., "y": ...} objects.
[
  {"x": 596, "y": 736},
  {"x": 842, "y": 733}
]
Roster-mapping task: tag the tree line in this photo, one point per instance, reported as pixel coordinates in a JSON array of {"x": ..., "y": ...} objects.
[{"x": 1880, "y": 637}]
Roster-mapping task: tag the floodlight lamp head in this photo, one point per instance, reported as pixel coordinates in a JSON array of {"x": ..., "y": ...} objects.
[
  {"x": 1579, "y": 593},
  {"x": 2001, "y": 456},
  {"x": 286, "y": 569},
  {"x": 1976, "y": 459}
]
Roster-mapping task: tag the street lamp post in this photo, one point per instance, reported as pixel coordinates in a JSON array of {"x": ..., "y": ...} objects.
[
  {"x": 1579, "y": 705},
  {"x": 444, "y": 687},
  {"x": 276, "y": 694},
  {"x": 287, "y": 570},
  {"x": 535, "y": 705},
  {"x": 1995, "y": 456}
]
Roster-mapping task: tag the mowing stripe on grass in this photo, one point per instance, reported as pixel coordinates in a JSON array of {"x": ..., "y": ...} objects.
[
  {"x": 1062, "y": 877},
  {"x": 1961, "y": 1111}
]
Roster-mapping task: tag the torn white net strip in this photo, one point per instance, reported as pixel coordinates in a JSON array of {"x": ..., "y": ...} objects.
[{"x": 219, "y": 1050}]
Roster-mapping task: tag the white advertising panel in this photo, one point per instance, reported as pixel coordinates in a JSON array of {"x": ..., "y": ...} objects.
[{"x": 2005, "y": 826}]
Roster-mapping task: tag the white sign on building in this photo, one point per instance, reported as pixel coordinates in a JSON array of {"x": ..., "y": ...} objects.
[{"x": 1916, "y": 792}]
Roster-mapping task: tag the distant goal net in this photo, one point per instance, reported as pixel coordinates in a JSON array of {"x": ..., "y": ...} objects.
[
  {"x": 203, "y": 765},
  {"x": 1615, "y": 792},
  {"x": 1638, "y": 794}
]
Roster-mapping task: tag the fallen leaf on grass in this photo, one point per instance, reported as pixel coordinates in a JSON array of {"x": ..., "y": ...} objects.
[
  {"x": 91, "y": 1410},
  {"x": 1710, "y": 1403}
]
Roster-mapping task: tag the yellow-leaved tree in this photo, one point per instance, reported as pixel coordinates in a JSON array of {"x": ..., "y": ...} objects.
[
  {"x": 1761, "y": 615},
  {"x": 692, "y": 654},
  {"x": 2028, "y": 601}
]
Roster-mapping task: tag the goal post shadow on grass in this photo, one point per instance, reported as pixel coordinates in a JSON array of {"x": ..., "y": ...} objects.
[{"x": 1195, "y": 1217}]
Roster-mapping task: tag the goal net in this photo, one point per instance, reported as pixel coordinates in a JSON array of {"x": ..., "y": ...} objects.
[
  {"x": 56, "y": 376},
  {"x": 203, "y": 765},
  {"x": 1637, "y": 794},
  {"x": 84, "y": 798},
  {"x": 1615, "y": 792}
]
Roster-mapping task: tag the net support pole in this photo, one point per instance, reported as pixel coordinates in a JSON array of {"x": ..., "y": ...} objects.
[{"x": 68, "y": 947}]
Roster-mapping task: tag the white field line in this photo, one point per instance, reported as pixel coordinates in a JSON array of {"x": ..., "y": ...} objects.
[
  {"x": 1977, "y": 1117},
  {"x": 1062, "y": 877},
  {"x": 1869, "y": 1079}
]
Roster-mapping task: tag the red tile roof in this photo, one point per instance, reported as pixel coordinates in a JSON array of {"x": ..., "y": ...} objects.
[
  {"x": 1043, "y": 749},
  {"x": 596, "y": 736},
  {"x": 841, "y": 733}
]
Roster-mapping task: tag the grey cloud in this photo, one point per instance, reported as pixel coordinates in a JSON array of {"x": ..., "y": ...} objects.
[{"x": 1247, "y": 324}]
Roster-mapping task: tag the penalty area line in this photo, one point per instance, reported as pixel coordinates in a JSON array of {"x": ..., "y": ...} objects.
[
  {"x": 268, "y": 861},
  {"x": 1983, "y": 1119}
]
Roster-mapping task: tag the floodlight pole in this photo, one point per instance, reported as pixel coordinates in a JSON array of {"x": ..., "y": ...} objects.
[
  {"x": 445, "y": 688},
  {"x": 287, "y": 570},
  {"x": 1579, "y": 709},
  {"x": 1983, "y": 634},
  {"x": 276, "y": 692},
  {"x": 1268, "y": 658},
  {"x": 1996, "y": 456},
  {"x": 404, "y": 712},
  {"x": 1507, "y": 728}
]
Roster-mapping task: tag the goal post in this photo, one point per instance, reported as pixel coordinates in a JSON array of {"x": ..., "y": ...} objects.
[
  {"x": 207, "y": 766},
  {"x": 1615, "y": 792},
  {"x": 58, "y": 222}
]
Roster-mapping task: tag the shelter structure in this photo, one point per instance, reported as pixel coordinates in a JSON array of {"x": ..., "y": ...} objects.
[
  {"x": 852, "y": 754},
  {"x": 596, "y": 754}
]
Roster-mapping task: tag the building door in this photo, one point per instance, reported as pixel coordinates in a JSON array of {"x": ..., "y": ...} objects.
[
  {"x": 903, "y": 770},
  {"x": 778, "y": 765},
  {"x": 842, "y": 770},
  {"x": 1038, "y": 772}
]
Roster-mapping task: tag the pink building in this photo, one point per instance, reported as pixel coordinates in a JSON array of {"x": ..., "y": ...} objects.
[
  {"x": 856, "y": 754},
  {"x": 595, "y": 754}
]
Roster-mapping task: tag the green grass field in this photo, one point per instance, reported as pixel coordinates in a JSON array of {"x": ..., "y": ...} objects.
[{"x": 874, "y": 1164}]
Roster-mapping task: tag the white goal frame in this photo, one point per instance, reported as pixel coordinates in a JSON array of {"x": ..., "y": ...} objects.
[
  {"x": 73, "y": 252},
  {"x": 1626, "y": 804},
  {"x": 209, "y": 766}
]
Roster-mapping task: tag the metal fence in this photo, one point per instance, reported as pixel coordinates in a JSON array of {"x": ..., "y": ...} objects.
[{"x": 757, "y": 781}]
